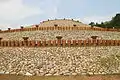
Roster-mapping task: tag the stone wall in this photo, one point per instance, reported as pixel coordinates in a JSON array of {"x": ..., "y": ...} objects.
[{"x": 60, "y": 61}]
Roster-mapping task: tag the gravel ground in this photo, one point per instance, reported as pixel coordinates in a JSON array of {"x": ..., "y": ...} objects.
[
  {"x": 60, "y": 61},
  {"x": 51, "y": 35}
]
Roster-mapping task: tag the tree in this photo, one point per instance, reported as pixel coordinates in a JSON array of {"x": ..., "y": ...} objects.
[
  {"x": 102, "y": 24},
  {"x": 92, "y": 24},
  {"x": 115, "y": 22},
  {"x": 98, "y": 25},
  {"x": 107, "y": 24}
]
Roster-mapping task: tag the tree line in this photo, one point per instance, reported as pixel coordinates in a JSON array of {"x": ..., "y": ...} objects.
[{"x": 113, "y": 23}]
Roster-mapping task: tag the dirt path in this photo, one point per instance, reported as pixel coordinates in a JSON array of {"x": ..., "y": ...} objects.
[{"x": 99, "y": 77}]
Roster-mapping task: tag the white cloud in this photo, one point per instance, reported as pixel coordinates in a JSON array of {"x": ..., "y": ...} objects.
[
  {"x": 97, "y": 19},
  {"x": 15, "y": 10},
  {"x": 12, "y": 11},
  {"x": 3, "y": 27}
]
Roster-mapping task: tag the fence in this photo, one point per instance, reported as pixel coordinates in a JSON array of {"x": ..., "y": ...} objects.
[
  {"x": 59, "y": 28},
  {"x": 59, "y": 43}
]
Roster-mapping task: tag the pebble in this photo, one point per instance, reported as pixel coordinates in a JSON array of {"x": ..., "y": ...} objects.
[
  {"x": 28, "y": 74},
  {"x": 2, "y": 72}
]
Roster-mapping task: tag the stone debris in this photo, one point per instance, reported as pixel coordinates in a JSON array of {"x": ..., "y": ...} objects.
[
  {"x": 28, "y": 74},
  {"x": 7, "y": 72},
  {"x": 57, "y": 61},
  {"x": 67, "y": 35},
  {"x": 2, "y": 72}
]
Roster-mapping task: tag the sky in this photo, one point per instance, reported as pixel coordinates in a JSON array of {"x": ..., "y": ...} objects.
[{"x": 16, "y": 13}]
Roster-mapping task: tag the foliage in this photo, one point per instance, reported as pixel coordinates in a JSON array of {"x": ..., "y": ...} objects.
[
  {"x": 115, "y": 22},
  {"x": 92, "y": 24},
  {"x": 111, "y": 62}
]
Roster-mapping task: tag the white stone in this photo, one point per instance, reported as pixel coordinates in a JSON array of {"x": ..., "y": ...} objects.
[
  {"x": 28, "y": 74},
  {"x": 67, "y": 74},
  {"x": 2, "y": 72},
  {"x": 13, "y": 73},
  {"x": 48, "y": 74},
  {"x": 56, "y": 74},
  {"x": 90, "y": 73},
  {"x": 6, "y": 72},
  {"x": 74, "y": 74}
]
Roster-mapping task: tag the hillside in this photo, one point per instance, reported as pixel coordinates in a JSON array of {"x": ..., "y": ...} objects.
[{"x": 56, "y": 58}]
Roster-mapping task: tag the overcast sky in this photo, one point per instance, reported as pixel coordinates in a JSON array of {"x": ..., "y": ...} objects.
[{"x": 14, "y": 13}]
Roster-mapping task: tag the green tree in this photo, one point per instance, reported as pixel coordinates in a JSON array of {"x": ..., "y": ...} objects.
[
  {"x": 102, "y": 24},
  {"x": 92, "y": 24},
  {"x": 115, "y": 22},
  {"x": 98, "y": 25}
]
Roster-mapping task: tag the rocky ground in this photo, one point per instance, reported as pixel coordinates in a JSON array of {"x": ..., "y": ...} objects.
[
  {"x": 50, "y": 61},
  {"x": 51, "y": 35}
]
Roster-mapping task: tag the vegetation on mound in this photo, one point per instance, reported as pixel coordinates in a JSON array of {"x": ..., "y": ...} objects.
[
  {"x": 115, "y": 22},
  {"x": 110, "y": 63}
]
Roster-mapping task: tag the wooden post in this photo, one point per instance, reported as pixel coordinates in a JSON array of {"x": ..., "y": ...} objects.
[
  {"x": 29, "y": 44},
  {"x": 59, "y": 40},
  {"x": 54, "y": 43},
  {"x": 108, "y": 42},
  {"x": 43, "y": 43},
  {"x": 116, "y": 43},
  {"x": 9, "y": 43},
  {"x": 112, "y": 42},
  {"x": 49, "y": 43},
  {"x": 89, "y": 42},
  {"x": 94, "y": 40},
  {"x": 99, "y": 42},
  {"x": 84, "y": 43},
  {"x": 20, "y": 43},
  {"x": 74, "y": 42},
  {"x": 103, "y": 42},
  {"x": 38, "y": 43},
  {"x": 5, "y": 44},
  {"x": 33, "y": 43},
  {"x": 37, "y": 26},
  {"x": 69, "y": 43},
  {"x": 55, "y": 26},
  {"x": 79, "y": 42},
  {"x": 119, "y": 42},
  {"x": 25, "y": 41},
  {"x": 0, "y": 41},
  {"x": 0, "y": 30},
  {"x": 21, "y": 27},
  {"x": 16, "y": 43},
  {"x": 12, "y": 43},
  {"x": 9, "y": 29},
  {"x": 64, "y": 43}
]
